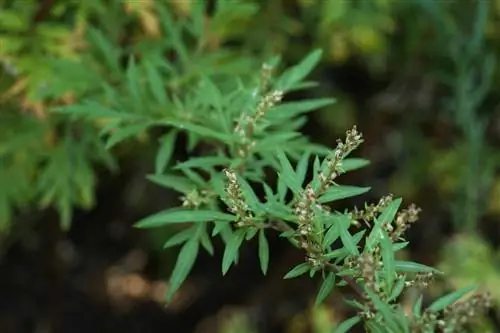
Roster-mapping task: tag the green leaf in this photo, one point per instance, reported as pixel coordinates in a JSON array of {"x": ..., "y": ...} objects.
[
  {"x": 164, "y": 154},
  {"x": 182, "y": 216},
  {"x": 263, "y": 252},
  {"x": 301, "y": 169},
  {"x": 156, "y": 84},
  {"x": 346, "y": 237},
  {"x": 412, "y": 267},
  {"x": 398, "y": 288},
  {"x": 326, "y": 288},
  {"x": 121, "y": 134},
  {"x": 184, "y": 264},
  {"x": 205, "y": 162},
  {"x": 205, "y": 239},
  {"x": 331, "y": 235},
  {"x": 386, "y": 217},
  {"x": 350, "y": 164},
  {"x": 445, "y": 301},
  {"x": 385, "y": 310},
  {"x": 272, "y": 140},
  {"x": 399, "y": 246},
  {"x": 291, "y": 109},
  {"x": 179, "y": 184},
  {"x": 338, "y": 192},
  {"x": 388, "y": 259},
  {"x": 249, "y": 195},
  {"x": 231, "y": 250},
  {"x": 417, "y": 307},
  {"x": 91, "y": 110},
  {"x": 133, "y": 85},
  {"x": 298, "y": 270},
  {"x": 219, "y": 227},
  {"x": 287, "y": 173},
  {"x": 179, "y": 237},
  {"x": 347, "y": 324},
  {"x": 298, "y": 72},
  {"x": 200, "y": 130}
]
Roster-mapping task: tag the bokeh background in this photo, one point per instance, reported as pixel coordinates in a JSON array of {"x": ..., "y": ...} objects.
[{"x": 418, "y": 77}]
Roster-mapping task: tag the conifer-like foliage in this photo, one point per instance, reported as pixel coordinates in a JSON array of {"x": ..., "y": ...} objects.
[
  {"x": 235, "y": 112},
  {"x": 248, "y": 130}
]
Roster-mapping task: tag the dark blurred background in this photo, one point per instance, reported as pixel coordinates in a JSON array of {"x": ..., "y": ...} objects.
[{"x": 417, "y": 77}]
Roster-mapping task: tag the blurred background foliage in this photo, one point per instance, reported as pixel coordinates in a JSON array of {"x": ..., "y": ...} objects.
[{"x": 419, "y": 78}]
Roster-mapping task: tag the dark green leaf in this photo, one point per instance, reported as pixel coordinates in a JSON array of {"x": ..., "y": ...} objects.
[
  {"x": 338, "y": 192},
  {"x": 263, "y": 252},
  {"x": 182, "y": 216},
  {"x": 326, "y": 288}
]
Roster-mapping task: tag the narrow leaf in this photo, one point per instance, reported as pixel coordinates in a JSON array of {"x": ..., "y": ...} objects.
[
  {"x": 412, "y": 267},
  {"x": 179, "y": 184},
  {"x": 297, "y": 271},
  {"x": 350, "y": 164},
  {"x": 183, "y": 266},
  {"x": 263, "y": 251},
  {"x": 121, "y": 134},
  {"x": 445, "y": 301},
  {"x": 164, "y": 154},
  {"x": 326, "y": 288},
  {"x": 338, "y": 192},
  {"x": 346, "y": 237},
  {"x": 231, "y": 250},
  {"x": 346, "y": 325},
  {"x": 388, "y": 259},
  {"x": 298, "y": 72},
  {"x": 182, "y": 216}
]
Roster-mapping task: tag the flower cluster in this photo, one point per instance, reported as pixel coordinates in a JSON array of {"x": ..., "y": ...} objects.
[
  {"x": 236, "y": 201},
  {"x": 247, "y": 124}
]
